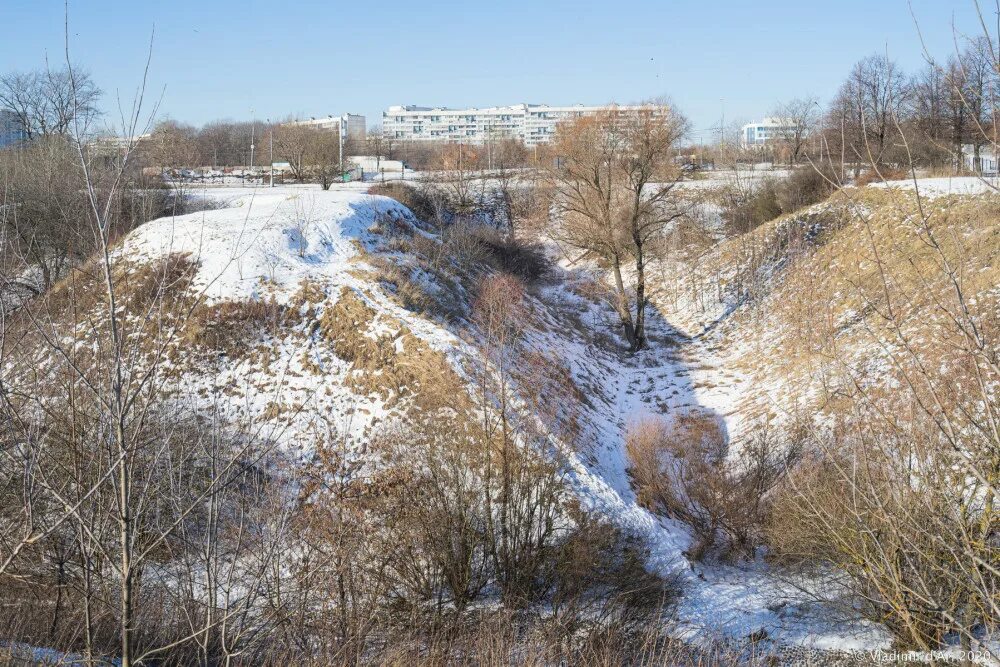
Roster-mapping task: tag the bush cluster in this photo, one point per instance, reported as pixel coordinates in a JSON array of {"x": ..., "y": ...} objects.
[
  {"x": 419, "y": 202},
  {"x": 680, "y": 468},
  {"x": 744, "y": 212}
]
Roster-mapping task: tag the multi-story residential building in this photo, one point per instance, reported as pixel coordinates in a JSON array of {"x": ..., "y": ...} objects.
[
  {"x": 11, "y": 129},
  {"x": 350, "y": 125},
  {"x": 766, "y": 131},
  {"x": 531, "y": 123}
]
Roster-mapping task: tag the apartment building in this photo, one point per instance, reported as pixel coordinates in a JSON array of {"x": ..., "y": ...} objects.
[
  {"x": 764, "y": 132},
  {"x": 11, "y": 129},
  {"x": 353, "y": 125},
  {"x": 531, "y": 123}
]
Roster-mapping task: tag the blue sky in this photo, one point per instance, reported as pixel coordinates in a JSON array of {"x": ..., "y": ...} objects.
[{"x": 214, "y": 59}]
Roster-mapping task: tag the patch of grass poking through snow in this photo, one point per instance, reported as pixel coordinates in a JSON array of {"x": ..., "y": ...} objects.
[
  {"x": 394, "y": 364},
  {"x": 236, "y": 328}
]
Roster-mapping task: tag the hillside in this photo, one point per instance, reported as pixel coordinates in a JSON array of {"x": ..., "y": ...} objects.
[
  {"x": 807, "y": 295},
  {"x": 252, "y": 251},
  {"x": 315, "y": 310}
]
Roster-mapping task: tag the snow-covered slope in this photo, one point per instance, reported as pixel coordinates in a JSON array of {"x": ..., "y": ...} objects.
[
  {"x": 297, "y": 250},
  {"x": 798, "y": 285},
  {"x": 314, "y": 259}
]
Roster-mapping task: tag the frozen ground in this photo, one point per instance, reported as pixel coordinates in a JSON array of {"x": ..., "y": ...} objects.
[
  {"x": 262, "y": 245},
  {"x": 957, "y": 185},
  {"x": 267, "y": 241}
]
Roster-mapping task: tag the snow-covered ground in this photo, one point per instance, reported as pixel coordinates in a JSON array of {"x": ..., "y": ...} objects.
[
  {"x": 44, "y": 657},
  {"x": 266, "y": 242},
  {"x": 956, "y": 185}
]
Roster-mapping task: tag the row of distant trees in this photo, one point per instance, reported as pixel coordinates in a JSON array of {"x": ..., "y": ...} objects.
[
  {"x": 227, "y": 143},
  {"x": 880, "y": 114},
  {"x": 883, "y": 115}
]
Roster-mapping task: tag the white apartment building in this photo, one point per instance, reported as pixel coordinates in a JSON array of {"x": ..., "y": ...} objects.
[
  {"x": 764, "y": 132},
  {"x": 350, "y": 125},
  {"x": 531, "y": 123}
]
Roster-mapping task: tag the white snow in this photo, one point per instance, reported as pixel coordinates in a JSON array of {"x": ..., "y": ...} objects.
[
  {"x": 937, "y": 187},
  {"x": 264, "y": 235},
  {"x": 261, "y": 246}
]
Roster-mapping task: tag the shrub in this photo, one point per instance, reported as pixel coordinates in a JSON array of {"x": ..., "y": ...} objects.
[
  {"x": 419, "y": 202},
  {"x": 472, "y": 246},
  {"x": 524, "y": 259},
  {"x": 806, "y": 186},
  {"x": 744, "y": 212},
  {"x": 600, "y": 567},
  {"x": 463, "y": 247},
  {"x": 681, "y": 469},
  {"x": 883, "y": 174},
  {"x": 461, "y": 516},
  {"x": 910, "y": 543}
]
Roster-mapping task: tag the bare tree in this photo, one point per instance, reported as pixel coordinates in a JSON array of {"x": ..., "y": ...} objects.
[
  {"x": 929, "y": 114},
  {"x": 376, "y": 145},
  {"x": 293, "y": 144},
  {"x": 512, "y": 195},
  {"x": 614, "y": 182},
  {"x": 798, "y": 118},
  {"x": 313, "y": 154},
  {"x": 866, "y": 109},
  {"x": 172, "y": 144},
  {"x": 47, "y": 102},
  {"x": 455, "y": 167}
]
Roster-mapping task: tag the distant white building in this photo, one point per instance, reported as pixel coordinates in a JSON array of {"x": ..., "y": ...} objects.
[
  {"x": 764, "y": 132},
  {"x": 371, "y": 164},
  {"x": 350, "y": 125},
  {"x": 531, "y": 123},
  {"x": 113, "y": 146},
  {"x": 986, "y": 163}
]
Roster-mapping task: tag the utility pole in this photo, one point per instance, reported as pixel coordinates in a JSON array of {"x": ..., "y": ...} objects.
[
  {"x": 340, "y": 147},
  {"x": 253, "y": 126},
  {"x": 722, "y": 122},
  {"x": 270, "y": 141}
]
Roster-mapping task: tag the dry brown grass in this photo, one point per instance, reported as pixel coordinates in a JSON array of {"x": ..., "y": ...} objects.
[
  {"x": 391, "y": 365},
  {"x": 814, "y": 289},
  {"x": 884, "y": 174},
  {"x": 502, "y": 640},
  {"x": 409, "y": 196},
  {"x": 235, "y": 328}
]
